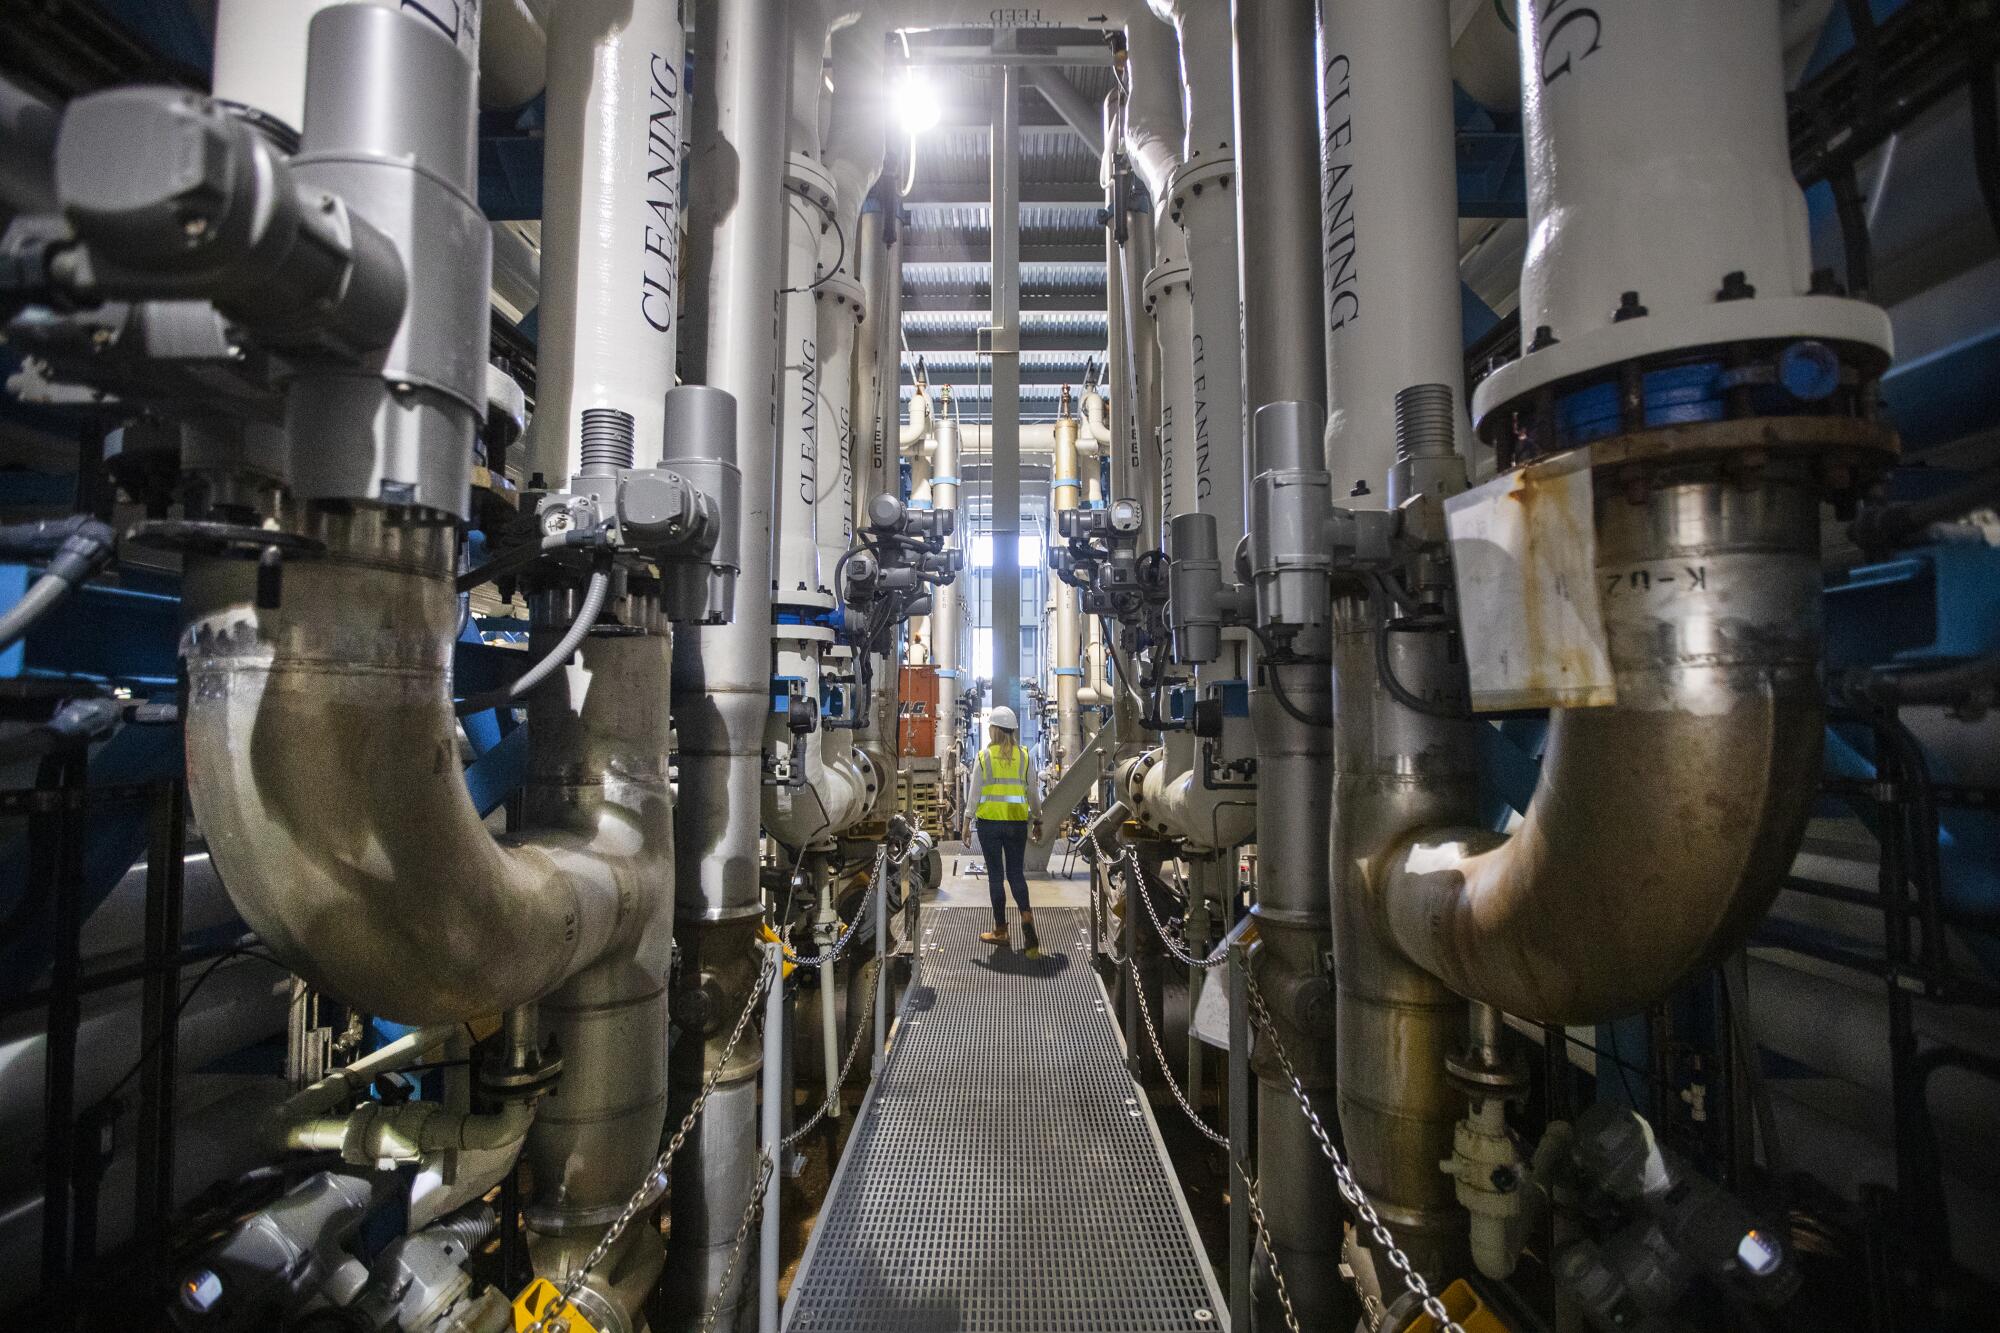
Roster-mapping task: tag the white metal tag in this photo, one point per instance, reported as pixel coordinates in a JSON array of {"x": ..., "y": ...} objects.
[{"x": 1525, "y": 549}]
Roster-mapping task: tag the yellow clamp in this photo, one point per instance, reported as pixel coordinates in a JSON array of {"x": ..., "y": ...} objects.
[
  {"x": 1470, "y": 1313},
  {"x": 534, "y": 1302},
  {"x": 766, "y": 934}
]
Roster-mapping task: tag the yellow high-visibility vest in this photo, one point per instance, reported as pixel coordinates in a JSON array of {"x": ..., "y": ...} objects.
[{"x": 1003, "y": 785}]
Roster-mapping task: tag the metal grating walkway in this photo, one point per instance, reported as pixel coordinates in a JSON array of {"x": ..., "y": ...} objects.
[{"x": 1005, "y": 1176}]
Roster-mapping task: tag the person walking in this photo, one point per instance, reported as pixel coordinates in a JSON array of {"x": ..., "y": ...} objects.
[{"x": 1006, "y": 807}]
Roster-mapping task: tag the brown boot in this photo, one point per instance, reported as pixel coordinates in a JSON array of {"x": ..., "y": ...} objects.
[
  {"x": 997, "y": 935},
  {"x": 1031, "y": 944}
]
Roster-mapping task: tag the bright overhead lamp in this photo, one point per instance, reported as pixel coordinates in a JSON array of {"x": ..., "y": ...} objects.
[{"x": 917, "y": 106}]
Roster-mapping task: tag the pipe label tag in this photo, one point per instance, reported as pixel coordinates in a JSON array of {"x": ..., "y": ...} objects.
[{"x": 1530, "y": 598}]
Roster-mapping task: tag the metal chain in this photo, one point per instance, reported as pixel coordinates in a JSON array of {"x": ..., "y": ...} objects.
[
  {"x": 750, "y": 1215},
  {"x": 1097, "y": 897},
  {"x": 1153, "y": 1035},
  {"x": 1270, "y": 1250},
  {"x": 861, "y": 1030},
  {"x": 1176, "y": 946},
  {"x": 659, "y": 1180},
  {"x": 1350, "y": 1189},
  {"x": 846, "y": 937}
]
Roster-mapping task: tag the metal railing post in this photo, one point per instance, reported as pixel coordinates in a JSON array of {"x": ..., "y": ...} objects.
[
  {"x": 881, "y": 963},
  {"x": 1134, "y": 1061},
  {"x": 1240, "y": 1089},
  {"x": 773, "y": 1137}
]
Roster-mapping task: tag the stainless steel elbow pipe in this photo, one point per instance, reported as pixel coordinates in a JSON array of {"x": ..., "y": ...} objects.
[
  {"x": 323, "y": 765},
  {"x": 1663, "y": 826}
]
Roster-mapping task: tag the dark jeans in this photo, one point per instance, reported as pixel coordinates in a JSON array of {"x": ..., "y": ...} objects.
[{"x": 1004, "y": 844}]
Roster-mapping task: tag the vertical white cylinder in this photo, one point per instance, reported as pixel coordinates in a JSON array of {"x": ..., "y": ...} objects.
[
  {"x": 611, "y": 229},
  {"x": 1662, "y": 210},
  {"x": 797, "y": 578},
  {"x": 1204, "y": 203},
  {"x": 840, "y": 311},
  {"x": 1169, "y": 303},
  {"x": 260, "y": 48},
  {"x": 1388, "y": 153},
  {"x": 941, "y": 473},
  {"x": 1065, "y": 489}
]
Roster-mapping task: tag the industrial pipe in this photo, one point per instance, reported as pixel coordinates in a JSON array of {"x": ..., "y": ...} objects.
[
  {"x": 1276, "y": 116},
  {"x": 1389, "y": 160},
  {"x": 611, "y": 226},
  {"x": 1065, "y": 487},
  {"x": 1663, "y": 826},
  {"x": 322, "y": 766},
  {"x": 722, "y": 675}
]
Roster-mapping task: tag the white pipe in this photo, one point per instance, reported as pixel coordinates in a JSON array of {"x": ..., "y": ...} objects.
[
  {"x": 1154, "y": 126},
  {"x": 1207, "y": 78},
  {"x": 242, "y": 1003},
  {"x": 1389, "y": 156},
  {"x": 513, "y": 52},
  {"x": 1168, "y": 302},
  {"x": 918, "y": 427},
  {"x": 1037, "y": 437},
  {"x": 839, "y": 307},
  {"x": 610, "y": 225},
  {"x": 940, "y": 474},
  {"x": 260, "y": 48},
  {"x": 858, "y": 134},
  {"x": 1673, "y": 177},
  {"x": 796, "y": 576},
  {"x": 1065, "y": 491},
  {"x": 1096, "y": 417}
]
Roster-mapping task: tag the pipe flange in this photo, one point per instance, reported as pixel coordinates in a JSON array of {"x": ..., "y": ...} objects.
[
  {"x": 244, "y": 540},
  {"x": 1167, "y": 277},
  {"x": 1507, "y": 1079},
  {"x": 839, "y": 290},
  {"x": 1196, "y": 178},
  {"x": 522, "y": 1085},
  {"x": 810, "y": 181},
  {"x": 1864, "y": 449}
]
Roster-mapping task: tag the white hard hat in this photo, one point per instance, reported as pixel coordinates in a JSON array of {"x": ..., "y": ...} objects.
[{"x": 1003, "y": 717}]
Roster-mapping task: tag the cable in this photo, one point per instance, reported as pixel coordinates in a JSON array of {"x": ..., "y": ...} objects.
[
  {"x": 1889, "y": 525},
  {"x": 1385, "y": 670},
  {"x": 827, "y": 276},
  {"x": 79, "y": 548},
  {"x": 586, "y": 619},
  {"x": 1959, "y": 684},
  {"x": 174, "y": 1018},
  {"x": 1278, "y": 691}
]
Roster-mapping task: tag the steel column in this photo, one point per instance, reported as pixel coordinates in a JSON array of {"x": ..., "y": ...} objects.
[
  {"x": 722, "y": 672},
  {"x": 159, "y": 1021},
  {"x": 1005, "y": 458},
  {"x": 1240, "y": 1089},
  {"x": 772, "y": 1138}
]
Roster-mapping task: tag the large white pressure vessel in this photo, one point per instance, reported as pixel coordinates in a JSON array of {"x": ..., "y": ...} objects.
[{"x": 1660, "y": 181}]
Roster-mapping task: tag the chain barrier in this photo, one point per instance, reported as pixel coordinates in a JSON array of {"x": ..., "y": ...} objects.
[
  {"x": 862, "y": 1030},
  {"x": 659, "y": 1181},
  {"x": 1350, "y": 1189},
  {"x": 743, "y": 1228},
  {"x": 1270, "y": 1251},
  {"x": 846, "y": 937},
  {"x": 1177, "y": 946},
  {"x": 1153, "y": 1036}
]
